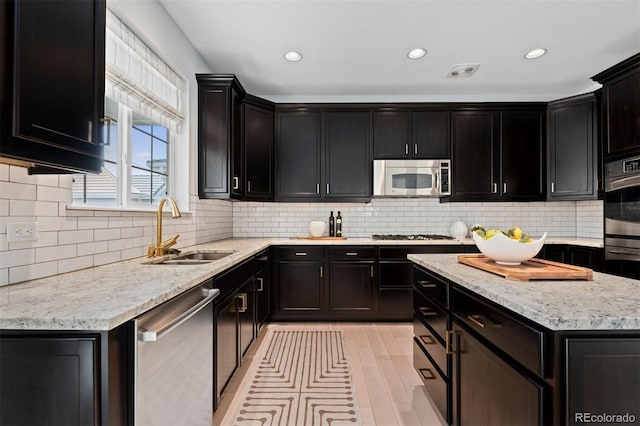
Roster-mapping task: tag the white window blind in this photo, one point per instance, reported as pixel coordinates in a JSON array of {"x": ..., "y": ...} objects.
[{"x": 139, "y": 79}]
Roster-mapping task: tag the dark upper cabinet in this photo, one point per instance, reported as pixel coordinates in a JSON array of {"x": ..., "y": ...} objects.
[
  {"x": 475, "y": 157},
  {"x": 298, "y": 152},
  {"x": 52, "y": 82},
  {"x": 323, "y": 155},
  {"x": 259, "y": 139},
  {"x": 347, "y": 159},
  {"x": 572, "y": 148},
  {"x": 521, "y": 148},
  {"x": 406, "y": 134},
  {"x": 498, "y": 154},
  {"x": 219, "y": 136},
  {"x": 621, "y": 108}
]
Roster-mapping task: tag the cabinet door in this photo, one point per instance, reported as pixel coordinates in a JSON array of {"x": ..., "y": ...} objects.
[
  {"x": 49, "y": 380},
  {"x": 262, "y": 292},
  {"x": 298, "y": 151},
  {"x": 603, "y": 377},
  {"x": 521, "y": 155},
  {"x": 351, "y": 287},
  {"x": 225, "y": 343},
  {"x": 622, "y": 105},
  {"x": 572, "y": 158},
  {"x": 391, "y": 134},
  {"x": 258, "y": 152},
  {"x": 213, "y": 142},
  {"x": 475, "y": 159},
  {"x": 347, "y": 165},
  {"x": 301, "y": 286},
  {"x": 53, "y": 84},
  {"x": 431, "y": 135},
  {"x": 237, "y": 145},
  {"x": 246, "y": 315},
  {"x": 489, "y": 391}
]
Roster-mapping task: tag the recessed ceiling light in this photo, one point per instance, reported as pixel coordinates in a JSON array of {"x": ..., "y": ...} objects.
[
  {"x": 417, "y": 53},
  {"x": 535, "y": 53},
  {"x": 293, "y": 56},
  {"x": 463, "y": 70}
]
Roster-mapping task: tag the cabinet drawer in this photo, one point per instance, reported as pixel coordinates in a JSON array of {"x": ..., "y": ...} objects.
[
  {"x": 517, "y": 339},
  {"x": 430, "y": 344},
  {"x": 431, "y": 314},
  {"x": 352, "y": 253},
  {"x": 396, "y": 300},
  {"x": 431, "y": 286},
  {"x": 302, "y": 253},
  {"x": 434, "y": 383},
  {"x": 395, "y": 274}
]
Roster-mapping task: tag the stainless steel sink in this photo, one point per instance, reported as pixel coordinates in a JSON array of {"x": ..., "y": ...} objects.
[{"x": 191, "y": 258}]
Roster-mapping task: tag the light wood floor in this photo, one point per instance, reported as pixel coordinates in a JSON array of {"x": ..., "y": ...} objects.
[{"x": 388, "y": 389}]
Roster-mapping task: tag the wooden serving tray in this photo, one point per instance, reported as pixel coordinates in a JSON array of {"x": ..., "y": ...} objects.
[
  {"x": 532, "y": 269},
  {"x": 321, "y": 238}
]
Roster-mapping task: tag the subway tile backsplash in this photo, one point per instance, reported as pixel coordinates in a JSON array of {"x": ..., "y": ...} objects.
[{"x": 69, "y": 240}]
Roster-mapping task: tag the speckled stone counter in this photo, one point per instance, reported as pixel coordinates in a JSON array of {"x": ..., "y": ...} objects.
[
  {"x": 104, "y": 297},
  {"x": 606, "y": 303}
]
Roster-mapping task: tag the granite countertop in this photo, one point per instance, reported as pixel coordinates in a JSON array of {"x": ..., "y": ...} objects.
[
  {"x": 103, "y": 297},
  {"x": 606, "y": 303}
]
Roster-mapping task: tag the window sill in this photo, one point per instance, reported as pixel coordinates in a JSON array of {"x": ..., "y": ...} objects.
[{"x": 121, "y": 209}]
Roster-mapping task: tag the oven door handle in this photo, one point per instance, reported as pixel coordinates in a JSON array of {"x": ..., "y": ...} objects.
[
  {"x": 146, "y": 335},
  {"x": 622, "y": 183}
]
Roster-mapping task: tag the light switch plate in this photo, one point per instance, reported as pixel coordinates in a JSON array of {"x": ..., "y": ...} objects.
[{"x": 21, "y": 231}]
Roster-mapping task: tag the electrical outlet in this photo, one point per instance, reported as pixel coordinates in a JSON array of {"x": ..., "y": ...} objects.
[{"x": 21, "y": 231}]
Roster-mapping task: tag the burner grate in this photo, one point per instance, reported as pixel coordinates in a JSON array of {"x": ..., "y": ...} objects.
[{"x": 411, "y": 237}]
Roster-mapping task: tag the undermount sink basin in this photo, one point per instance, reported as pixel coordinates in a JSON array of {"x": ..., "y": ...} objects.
[{"x": 191, "y": 258}]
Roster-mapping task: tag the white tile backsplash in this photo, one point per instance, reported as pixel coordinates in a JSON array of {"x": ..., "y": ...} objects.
[{"x": 74, "y": 239}]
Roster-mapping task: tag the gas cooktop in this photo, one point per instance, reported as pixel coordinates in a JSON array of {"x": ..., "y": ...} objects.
[{"x": 411, "y": 237}]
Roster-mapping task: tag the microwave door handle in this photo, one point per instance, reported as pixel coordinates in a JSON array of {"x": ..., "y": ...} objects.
[
  {"x": 622, "y": 183},
  {"x": 436, "y": 186}
]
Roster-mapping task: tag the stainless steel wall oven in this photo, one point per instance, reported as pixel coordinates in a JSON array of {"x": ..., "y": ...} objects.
[{"x": 622, "y": 210}]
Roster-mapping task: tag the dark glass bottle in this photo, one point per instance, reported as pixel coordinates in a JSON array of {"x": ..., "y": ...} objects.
[
  {"x": 332, "y": 225},
  {"x": 338, "y": 225}
]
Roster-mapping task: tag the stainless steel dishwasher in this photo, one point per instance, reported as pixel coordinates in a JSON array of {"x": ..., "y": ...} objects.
[{"x": 174, "y": 361}]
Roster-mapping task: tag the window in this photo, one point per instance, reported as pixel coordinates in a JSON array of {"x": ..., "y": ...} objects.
[
  {"x": 142, "y": 173},
  {"x": 144, "y": 104}
]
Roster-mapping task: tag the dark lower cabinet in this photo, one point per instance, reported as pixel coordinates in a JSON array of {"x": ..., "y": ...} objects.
[
  {"x": 351, "y": 287},
  {"x": 487, "y": 390},
  {"x": 302, "y": 286},
  {"x": 603, "y": 379},
  {"x": 246, "y": 316},
  {"x": 49, "y": 380},
  {"x": 226, "y": 343},
  {"x": 263, "y": 295},
  {"x": 588, "y": 257}
]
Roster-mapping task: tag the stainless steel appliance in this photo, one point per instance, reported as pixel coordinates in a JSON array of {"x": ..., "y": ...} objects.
[
  {"x": 622, "y": 210},
  {"x": 174, "y": 361},
  {"x": 411, "y": 178}
]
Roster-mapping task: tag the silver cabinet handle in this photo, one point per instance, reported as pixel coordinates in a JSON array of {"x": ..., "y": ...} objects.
[
  {"x": 553, "y": 187},
  {"x": 145, "y": 335},
  {"x": 427, "y": 312},
  {"x": 406, "y": 149},
  {"x": 427, "y": 284},
  {"x": 317, "y": 188},
  {"x": 504, "y": 187},
  {"x": 478, "y": 320},
  {"x": 236, "y": 182},
  {"x": 243, "y": 299},
  {"x": 263, "y": 258},
  {"x": 107, "y": 121},
  {"x": 261, "y": 282},
  {"x": 352, "y": 253},
  {"x": 301, "y": 253},
  {"x": 327, "y": 188},
  {"x": 372, "y": 272},
  {"x": 415, "y": 148},
  {"x": 248, "y": 186},
  {"x": 495, "y": 188},
  {"x": 322, "y": 272}
]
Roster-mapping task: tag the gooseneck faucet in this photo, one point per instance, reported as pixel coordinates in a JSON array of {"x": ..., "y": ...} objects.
[{"x": 161, "y": 248}]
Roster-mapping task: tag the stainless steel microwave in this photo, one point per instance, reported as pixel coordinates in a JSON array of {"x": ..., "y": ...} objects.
[{"x": 411, "y": 178}]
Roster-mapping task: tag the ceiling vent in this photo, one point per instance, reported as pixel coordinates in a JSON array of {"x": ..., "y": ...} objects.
[{"x": 462, "y": 70}]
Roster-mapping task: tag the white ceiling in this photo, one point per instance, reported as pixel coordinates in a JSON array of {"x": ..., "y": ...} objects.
[{"x": 355, "y": 50}]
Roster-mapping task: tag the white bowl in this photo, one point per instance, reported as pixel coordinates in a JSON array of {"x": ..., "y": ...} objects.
[
  {"x": 505, "y": 251},
  {"x": 316, "y": 228}
]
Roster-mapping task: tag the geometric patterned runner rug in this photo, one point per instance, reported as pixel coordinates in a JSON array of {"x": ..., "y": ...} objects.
[{"x": 299, "y": 378}]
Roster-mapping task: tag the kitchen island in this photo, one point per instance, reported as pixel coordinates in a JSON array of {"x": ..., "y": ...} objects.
[{"x": 495, "y": 351}]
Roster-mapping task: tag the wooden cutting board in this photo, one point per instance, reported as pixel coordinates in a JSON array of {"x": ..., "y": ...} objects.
[
  {"x": 321, "y": 238},
  {"x": 532, "y": 269}
]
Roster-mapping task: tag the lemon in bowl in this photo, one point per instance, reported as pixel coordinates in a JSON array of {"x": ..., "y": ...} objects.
[{"x": 507, "y": 251}]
